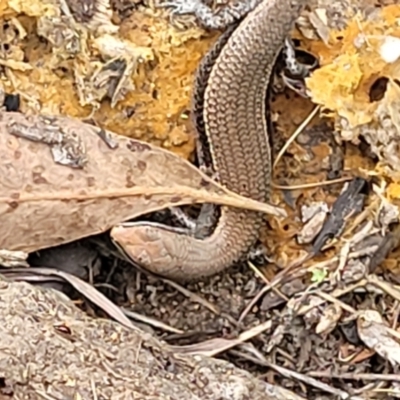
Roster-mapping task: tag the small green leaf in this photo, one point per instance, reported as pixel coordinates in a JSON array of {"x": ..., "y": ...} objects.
[{"x": 319, "y": 275}]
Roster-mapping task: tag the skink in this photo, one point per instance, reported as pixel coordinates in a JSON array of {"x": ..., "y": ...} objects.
[{"x": 232, "y": 101}]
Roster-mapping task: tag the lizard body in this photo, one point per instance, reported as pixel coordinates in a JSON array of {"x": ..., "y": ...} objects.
[{"x": 234, "y": 124}]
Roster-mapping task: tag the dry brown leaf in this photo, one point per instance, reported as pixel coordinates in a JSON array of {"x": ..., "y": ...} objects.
[
  {"x": 44, "y": 203},
  {"x": 213, "y": 347},
  {"x": 377, "y": 335},
  {"x": 329, "y": 319}
]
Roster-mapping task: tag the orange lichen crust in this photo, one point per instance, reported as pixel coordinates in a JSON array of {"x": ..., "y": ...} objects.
[{"x": 357, "y": 83}]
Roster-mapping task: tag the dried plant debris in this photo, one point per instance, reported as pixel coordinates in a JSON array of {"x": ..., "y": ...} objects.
[
  {"x": 67, "y": 147},
  {"x": 390, "y": 242},
  {"x": 361, "y": 244},
  {"x": 11, "y": 258},
  {"x": 113, "y": 78},
  {"x": 314, "y": 217},
  {"x": 349, "y": 203},
  {"x": 124, "y": 8}
]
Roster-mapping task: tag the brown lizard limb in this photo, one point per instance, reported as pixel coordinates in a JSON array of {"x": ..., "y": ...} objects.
[{"x": 237, "y": 132}]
